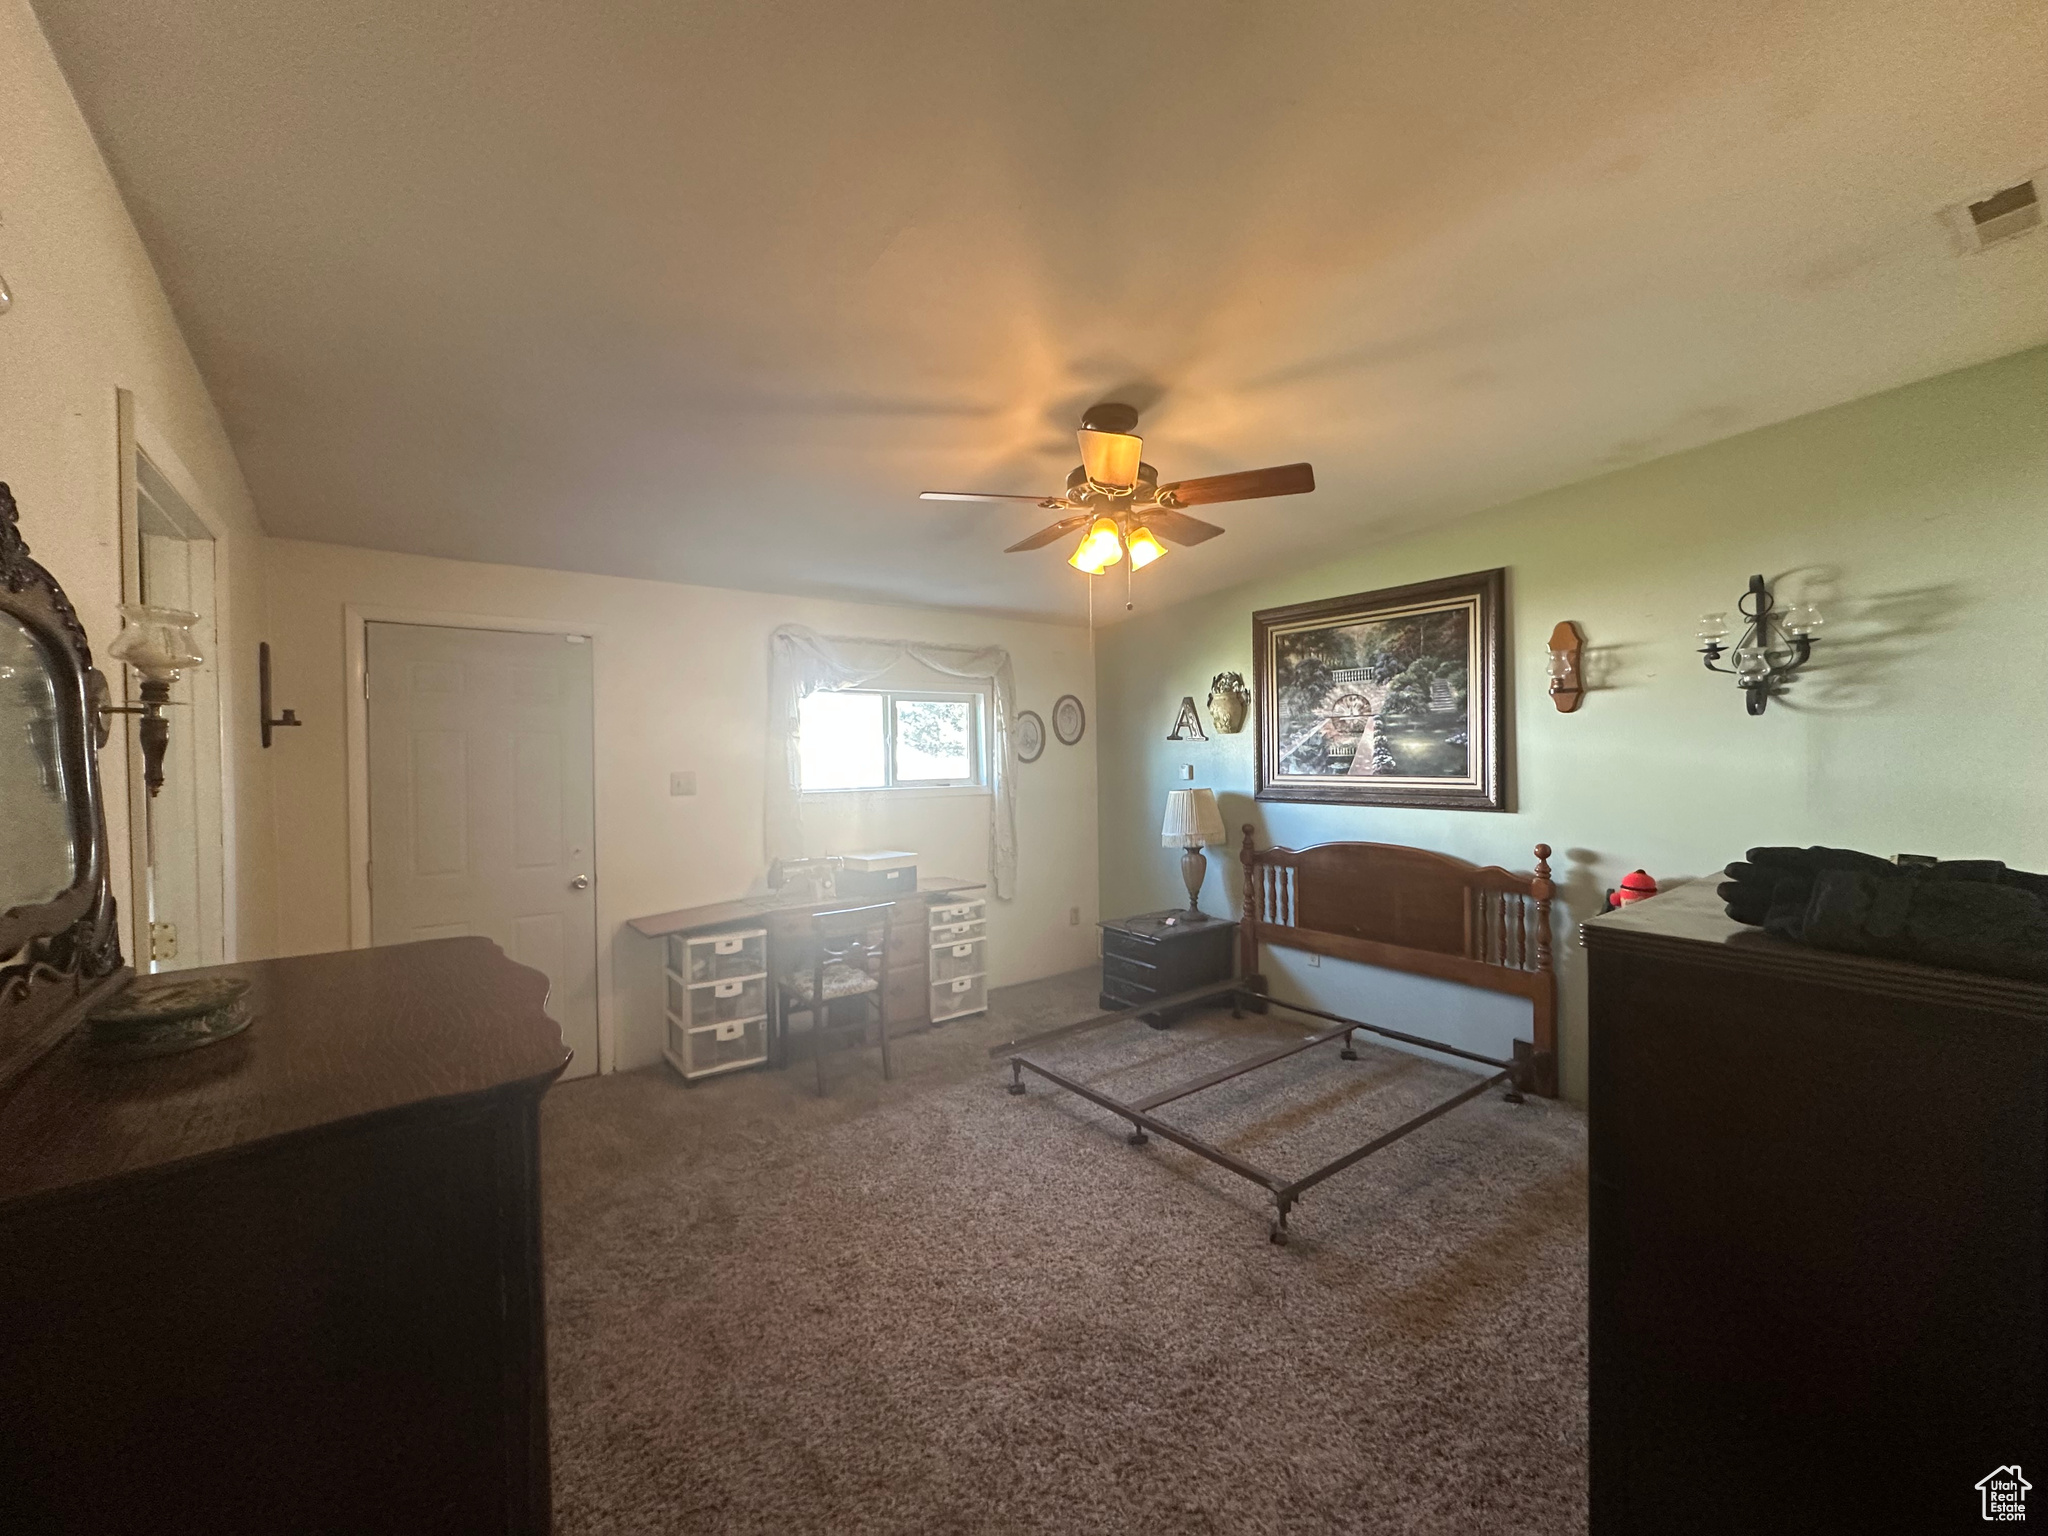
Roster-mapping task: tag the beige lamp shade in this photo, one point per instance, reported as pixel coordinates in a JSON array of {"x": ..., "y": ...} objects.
[
  {"x": 1111, "y": 458},
  {"x": 1192, "y": 819}
]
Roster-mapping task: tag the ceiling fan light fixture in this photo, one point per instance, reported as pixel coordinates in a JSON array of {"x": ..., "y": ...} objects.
[
  {"x": 1111, "y": 458},
  {"x": 1100, "y": 548},
  {"x": 1145, "y": 547}
]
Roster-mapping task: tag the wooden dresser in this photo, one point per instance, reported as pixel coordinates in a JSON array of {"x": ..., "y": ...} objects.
[
  {"x": 290, "y": 1282},
  {"x": 1819, "y": 1287}
]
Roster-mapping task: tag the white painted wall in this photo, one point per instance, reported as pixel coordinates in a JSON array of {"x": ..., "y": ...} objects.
[
  {"x": 88, "y": 318},
  {"x": 682, "y": 683}
]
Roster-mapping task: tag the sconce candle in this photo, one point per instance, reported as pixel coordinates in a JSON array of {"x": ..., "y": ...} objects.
[
  {"x": 1773, "y": 645},
  {"x": 157, "y": 644},
  {"x": 1567, "y": 690}
]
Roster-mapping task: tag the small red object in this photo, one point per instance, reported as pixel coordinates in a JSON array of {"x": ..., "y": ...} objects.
[{"x": 1634, "y": 887}]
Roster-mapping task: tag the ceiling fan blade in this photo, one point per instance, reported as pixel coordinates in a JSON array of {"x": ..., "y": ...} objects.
[
  {"x": 1043, "y": 501},
  {"x": 1178, "y": 527},
  {"x": 1048, "y": 533},
  {"x": 1245, "y": 485}
]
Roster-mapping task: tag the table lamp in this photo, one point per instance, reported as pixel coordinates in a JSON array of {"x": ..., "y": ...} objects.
[{"x": 1192, "y": 820}]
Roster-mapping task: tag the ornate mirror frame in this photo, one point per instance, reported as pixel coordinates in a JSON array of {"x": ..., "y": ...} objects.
[{"x": 57, "y": 956}]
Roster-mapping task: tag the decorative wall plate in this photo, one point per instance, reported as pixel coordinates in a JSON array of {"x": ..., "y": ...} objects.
[
  {"x": 1069, "y": 719},
  {"x": 1029, "y": 736}
]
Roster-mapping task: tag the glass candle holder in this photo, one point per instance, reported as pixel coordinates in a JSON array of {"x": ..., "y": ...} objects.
[{"x": 156, "y": 642}]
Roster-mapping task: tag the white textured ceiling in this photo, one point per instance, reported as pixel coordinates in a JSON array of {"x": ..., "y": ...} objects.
[{"x": 709, "y": 292}]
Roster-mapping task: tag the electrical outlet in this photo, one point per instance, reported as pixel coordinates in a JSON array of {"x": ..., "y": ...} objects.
[
  {"x": 1187, "y": 770},
  {"x": 1314, "y": 958},
  {"x": 684, "y": 783},
  {"x": 1073, "y": 917}
]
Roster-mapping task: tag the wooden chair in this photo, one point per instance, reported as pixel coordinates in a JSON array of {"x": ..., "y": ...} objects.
[{"x": 847, "y": 956}]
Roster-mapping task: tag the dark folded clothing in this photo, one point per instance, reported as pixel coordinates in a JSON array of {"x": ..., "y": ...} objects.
[
  {"x": 1966, "y": 914},
  {"x": 1965, "y": 925}
]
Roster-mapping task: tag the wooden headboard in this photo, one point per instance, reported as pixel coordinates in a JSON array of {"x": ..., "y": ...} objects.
[{"x": 1407, "y": 909}]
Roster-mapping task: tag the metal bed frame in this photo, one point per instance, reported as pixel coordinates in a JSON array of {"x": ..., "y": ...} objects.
[{"x": 1446, "y": 919}]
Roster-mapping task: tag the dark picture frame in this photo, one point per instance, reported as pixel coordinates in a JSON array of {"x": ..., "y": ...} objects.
[{"x": 1411, "y": 677}]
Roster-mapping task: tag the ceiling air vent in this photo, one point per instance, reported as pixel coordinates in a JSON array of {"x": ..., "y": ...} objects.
[{"x": 1999, "y": 216}]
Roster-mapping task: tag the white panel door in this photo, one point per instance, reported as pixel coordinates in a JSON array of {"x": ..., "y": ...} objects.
[{"x": 480, "y": 802}]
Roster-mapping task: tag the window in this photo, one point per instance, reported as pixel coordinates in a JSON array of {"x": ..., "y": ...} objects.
[{"x": 865, "y": 739}]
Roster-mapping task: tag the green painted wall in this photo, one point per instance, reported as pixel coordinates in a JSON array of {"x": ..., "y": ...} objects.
[{"x": 1918, "y": 519}]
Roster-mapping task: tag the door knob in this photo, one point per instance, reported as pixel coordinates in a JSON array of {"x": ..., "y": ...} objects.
[{"x": 580, "y": 883}]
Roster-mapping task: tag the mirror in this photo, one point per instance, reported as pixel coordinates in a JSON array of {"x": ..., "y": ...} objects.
[
  {"x": 58, "y": 946},
  {"x": 38, "y": 856}
]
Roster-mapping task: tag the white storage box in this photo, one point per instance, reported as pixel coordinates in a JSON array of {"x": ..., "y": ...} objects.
[
  {"x": 952, "y": 961},
  {"x": 962, "y": 995},
  {"x": 722, "y": 1002},
  {"x": 954, "y": 933},
  {"x": 717, "y": 1047},
  {"x": 719, "y": 956}
]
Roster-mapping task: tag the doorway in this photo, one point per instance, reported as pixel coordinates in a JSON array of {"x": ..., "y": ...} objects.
[
  {"x": 177, "y": 847},
  {"x": 481, "y": 801}
]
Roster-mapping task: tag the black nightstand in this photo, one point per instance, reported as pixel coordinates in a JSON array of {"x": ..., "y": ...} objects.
[{"x": 1162, "y": 953}]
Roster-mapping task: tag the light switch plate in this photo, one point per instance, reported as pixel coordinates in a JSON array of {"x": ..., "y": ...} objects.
[
  {"x": 684, "y": 783},
  {"x": 1187, "y": 770}
]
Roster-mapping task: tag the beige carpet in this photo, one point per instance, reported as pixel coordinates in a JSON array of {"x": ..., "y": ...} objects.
[{"x": 931, "y": 1306}]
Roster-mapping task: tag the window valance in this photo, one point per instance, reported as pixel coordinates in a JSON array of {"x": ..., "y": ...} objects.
[{"x": 802, "y": 661}]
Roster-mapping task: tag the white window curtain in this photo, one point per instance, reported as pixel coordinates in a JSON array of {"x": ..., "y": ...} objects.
[{"x": 801, "y": 661}]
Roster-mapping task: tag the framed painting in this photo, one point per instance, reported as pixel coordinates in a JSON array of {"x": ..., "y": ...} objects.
[{"x": 1384, "y": 698}]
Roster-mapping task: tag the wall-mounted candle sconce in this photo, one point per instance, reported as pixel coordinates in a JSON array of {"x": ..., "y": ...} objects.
[
  {"x": 289, "y": 717},
  {"x": 157, "y": 645},
  {"x": 1567, "y": 689},
  {"x": 1774, "y": 644}
]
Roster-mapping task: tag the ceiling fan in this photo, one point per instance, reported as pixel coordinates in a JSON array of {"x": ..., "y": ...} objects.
[{"x": 1118, "y": 499}]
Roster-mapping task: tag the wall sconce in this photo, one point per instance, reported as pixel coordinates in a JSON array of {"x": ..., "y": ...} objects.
[
  {"x": 1567, "y": 690},
  {"x": 289, "y": 717},
  {"x": 1773, "y": 646},
  {"x": 157, "y": 644}
]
